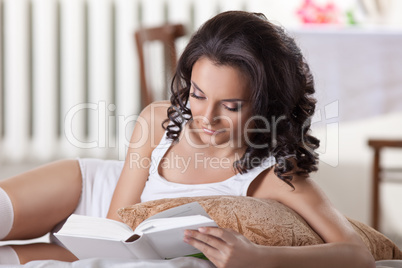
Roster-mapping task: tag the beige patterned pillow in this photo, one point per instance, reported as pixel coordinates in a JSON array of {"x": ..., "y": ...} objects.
[{"x": 264, "y": 222}]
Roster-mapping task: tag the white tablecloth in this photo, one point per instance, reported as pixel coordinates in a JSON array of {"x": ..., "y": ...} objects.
[{"x": 359, "y": 68}]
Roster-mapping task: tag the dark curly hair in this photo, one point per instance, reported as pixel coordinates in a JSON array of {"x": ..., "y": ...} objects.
[{"x": 280, "y": 82}]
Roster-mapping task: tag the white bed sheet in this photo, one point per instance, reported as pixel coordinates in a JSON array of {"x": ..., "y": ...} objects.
[
  {"x": 389, "y": 264},
  {"x": 185, "y": 262}
]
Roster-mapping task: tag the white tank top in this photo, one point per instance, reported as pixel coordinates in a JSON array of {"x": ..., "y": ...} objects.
[{"x": 158, "y": 187}]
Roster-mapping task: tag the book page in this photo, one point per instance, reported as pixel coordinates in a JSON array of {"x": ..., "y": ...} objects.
[
  {"x": 86, "y": 226},
  {"x": 189, "y": 209},
  {"x": 157, "y": 225},
  {"x": 160, "y": 236},
  {"x": 169, "y": 243},
  {"x": 88, "y": 247}
]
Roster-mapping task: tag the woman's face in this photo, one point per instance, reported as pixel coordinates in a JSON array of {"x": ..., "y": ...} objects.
[{"x": 219, "y": 102}]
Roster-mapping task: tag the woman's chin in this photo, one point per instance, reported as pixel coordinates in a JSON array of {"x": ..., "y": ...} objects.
[{"x": 217, "y": 140}]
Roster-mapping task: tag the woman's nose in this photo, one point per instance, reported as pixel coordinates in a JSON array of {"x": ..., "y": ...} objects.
[{"x": 211, "y": 115}]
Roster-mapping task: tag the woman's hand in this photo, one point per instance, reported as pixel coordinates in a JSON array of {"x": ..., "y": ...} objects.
[
  {"x": 227, "y": 248},
  {"x": 224, "y": 247}
]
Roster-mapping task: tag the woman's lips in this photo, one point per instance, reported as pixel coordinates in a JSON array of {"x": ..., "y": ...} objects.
[{"x": 210, "y": 131}]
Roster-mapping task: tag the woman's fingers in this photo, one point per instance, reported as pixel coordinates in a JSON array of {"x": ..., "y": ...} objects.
[
  {"x": 224, "y": 247},
  {"x": 204, "y": 241},
  {"x": 226, "y": 235},
  {"x": 212, "y": 241}
]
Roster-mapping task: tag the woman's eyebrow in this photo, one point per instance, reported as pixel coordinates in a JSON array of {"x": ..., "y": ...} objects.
[
  {"x": 225, "y": 100},
  {"x": 197, "y": 87}
]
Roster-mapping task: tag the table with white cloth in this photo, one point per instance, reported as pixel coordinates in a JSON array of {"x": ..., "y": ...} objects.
[{"x": 360, "y": 68}]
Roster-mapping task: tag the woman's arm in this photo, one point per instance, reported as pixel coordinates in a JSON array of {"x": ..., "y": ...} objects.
[
  {"x": 311, "y": 203},
  {"x": 227, "y": 248},
  {"x": 146, "y": 136},
  {"x": 343, "y": 247}
]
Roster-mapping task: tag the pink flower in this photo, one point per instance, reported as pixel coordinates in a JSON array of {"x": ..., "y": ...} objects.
[{"x": 310, "y": 12}]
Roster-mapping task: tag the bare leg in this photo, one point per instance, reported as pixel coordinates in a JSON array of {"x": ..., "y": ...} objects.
[
  {"x": 43, "y": 251},
  {"x": 43, "y": 197}
]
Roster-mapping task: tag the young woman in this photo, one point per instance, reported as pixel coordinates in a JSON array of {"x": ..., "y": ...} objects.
[{"x": 237, "y": 124}]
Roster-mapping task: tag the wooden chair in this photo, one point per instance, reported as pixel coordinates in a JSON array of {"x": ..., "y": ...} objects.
[
  {"x": 378, "y": 145},
  {"x": 167, "y": 35}
]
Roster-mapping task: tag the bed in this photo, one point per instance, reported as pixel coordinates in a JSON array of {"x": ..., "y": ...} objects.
[
  {"x": 283, "y": 227},
  {"x": 110, "y": 263},
  {"x": 179, "y": 262}
]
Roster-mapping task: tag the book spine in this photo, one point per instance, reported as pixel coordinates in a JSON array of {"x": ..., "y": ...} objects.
[{"x": 142, "y": 249}]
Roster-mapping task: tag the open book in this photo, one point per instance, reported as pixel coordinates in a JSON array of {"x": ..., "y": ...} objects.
[{"x": 158, "y": 237}]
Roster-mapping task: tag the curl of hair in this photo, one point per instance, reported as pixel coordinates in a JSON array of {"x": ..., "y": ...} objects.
[{"x": 280, "y": 83}]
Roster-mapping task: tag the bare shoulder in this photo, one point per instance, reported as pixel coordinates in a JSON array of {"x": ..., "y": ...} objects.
[
  {"x": 158, "y": 107},
  {"x": 156, "y": 111},
  {"x": 304, "y": 194},
  {"x": 269, "y": 185},
  {"x": 150, "y": 121}
]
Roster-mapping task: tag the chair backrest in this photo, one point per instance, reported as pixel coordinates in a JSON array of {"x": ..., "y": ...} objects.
[{"x": 167, "y": 35}]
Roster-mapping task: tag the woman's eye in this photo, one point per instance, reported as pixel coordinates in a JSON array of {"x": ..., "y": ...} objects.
[
  {"x": 192, "y": 94},
  {"x": 232, "y": 109}
]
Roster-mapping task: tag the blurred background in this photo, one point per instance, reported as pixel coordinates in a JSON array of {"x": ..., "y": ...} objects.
[{"x": 70, "y": 83}]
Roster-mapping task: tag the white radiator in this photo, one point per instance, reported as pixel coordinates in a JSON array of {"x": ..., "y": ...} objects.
[{"x": 69, "y": 83}]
